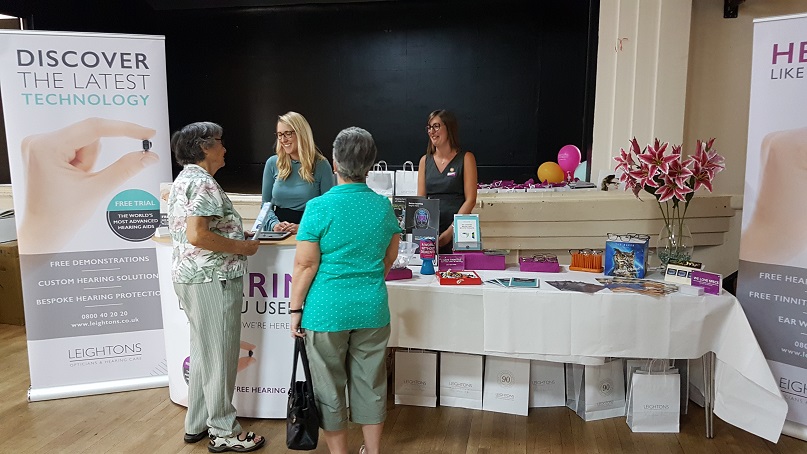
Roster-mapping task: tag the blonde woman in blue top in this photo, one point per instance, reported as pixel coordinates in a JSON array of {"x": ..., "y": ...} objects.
[
  {"x": 346, "y": 244},
  {"x": 297, "y": 173}
]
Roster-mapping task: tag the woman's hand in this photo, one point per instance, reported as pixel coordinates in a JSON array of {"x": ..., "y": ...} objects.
[
  {"x": 284, "y": 226},
  {"x": 296, "y": 331}
]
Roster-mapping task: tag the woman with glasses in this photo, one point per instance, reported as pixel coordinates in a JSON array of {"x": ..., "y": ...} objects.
[
  {"x": 297, "y": 173},
  {"x": 208, "y": 266},
  {"x": 447, "y": 173}
]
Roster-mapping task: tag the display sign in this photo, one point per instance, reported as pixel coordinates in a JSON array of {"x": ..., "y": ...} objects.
[
  {"x": 772, "y": 277},
  {"x": 86, "y": 119}
]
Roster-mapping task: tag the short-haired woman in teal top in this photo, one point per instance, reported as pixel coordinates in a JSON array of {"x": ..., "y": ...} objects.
[
  {"x": 297, "y": 173},
  {"x": 346, "y": 244}
]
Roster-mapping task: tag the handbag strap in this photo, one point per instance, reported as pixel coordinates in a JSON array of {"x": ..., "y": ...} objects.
[
  {"x": 299, "y": 352},
  {"x": 411, "y": 165},
  {"x": 380, "y": 167}
]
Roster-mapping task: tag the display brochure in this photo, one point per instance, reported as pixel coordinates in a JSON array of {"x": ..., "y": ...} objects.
[
  {"x": 467, "y": 235},
  {"x": 421, "y": 217},
  {"x": 260, "y": 221},
  {"x": 515, "y": 282},
  {"x": 399, "y": 208},
  {"x": 576, "y": 286},
  {"x": 641, "y": 286}
]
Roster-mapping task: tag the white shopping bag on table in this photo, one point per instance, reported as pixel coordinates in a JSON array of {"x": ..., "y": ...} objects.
[
  {"x": 596, "y": 392},
  {"x": 381, "y": 180},
  {"x": 416, "y": 378},
  {"x": 653, "y": 403},
  {"x": 547, "y": 384},
  {"x": 461, "y": 380},
  {"x": 406, "y": 181}
]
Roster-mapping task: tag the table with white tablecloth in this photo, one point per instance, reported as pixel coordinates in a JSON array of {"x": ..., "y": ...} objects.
[{"x": 554, "y": 325}]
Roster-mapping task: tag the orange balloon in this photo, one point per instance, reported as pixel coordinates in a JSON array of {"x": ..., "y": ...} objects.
[{"x": 551, "y": 172}]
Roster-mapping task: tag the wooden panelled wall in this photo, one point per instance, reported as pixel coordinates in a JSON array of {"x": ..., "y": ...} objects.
[{"x": 526, "y": 223}]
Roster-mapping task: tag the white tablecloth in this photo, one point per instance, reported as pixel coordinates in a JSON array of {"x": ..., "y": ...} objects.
[{"x": 562, "y": 326}]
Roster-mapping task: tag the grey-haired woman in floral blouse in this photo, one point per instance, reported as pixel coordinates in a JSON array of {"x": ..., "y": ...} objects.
[{"x": 207, "y": 269}]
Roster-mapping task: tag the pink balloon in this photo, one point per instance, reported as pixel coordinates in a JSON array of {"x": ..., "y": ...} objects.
[{"x": 569, "y": 158}]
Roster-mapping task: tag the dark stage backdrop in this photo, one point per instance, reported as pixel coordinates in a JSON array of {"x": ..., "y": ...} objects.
[{"x": 519, "y": 75}]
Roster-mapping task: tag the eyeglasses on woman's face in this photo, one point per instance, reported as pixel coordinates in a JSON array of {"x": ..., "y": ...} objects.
[
  {"x": 286, "y": 134},
  {"x": 433, "y": 127}
]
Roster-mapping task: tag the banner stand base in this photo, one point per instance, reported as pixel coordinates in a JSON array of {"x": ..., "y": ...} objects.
[
  {"x": 91, "y": 389},
  {"x": 795, "y": 430}
]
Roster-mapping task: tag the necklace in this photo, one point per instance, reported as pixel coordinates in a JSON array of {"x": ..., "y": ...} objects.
[{"x": 444, "y": 161}]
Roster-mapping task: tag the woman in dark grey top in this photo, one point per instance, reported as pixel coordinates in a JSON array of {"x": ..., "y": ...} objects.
[{"x": 447, "y": 173}]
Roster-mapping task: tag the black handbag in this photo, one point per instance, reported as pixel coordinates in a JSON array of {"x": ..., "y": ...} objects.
[{"x": 302, "y": 419}]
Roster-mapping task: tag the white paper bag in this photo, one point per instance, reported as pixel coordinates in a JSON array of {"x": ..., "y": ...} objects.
[
  {"x": 461, "y": 380},
  {"x": 381, "y": 180},
  {"x": 506, "y": 388},
  {"x": 406, "y": 181},
  {"x": 547, "y": 384},
  {"x": 598, "y": 392},
  {"x": 653, "y": 404},
  {"x": 416, "y": 378}
]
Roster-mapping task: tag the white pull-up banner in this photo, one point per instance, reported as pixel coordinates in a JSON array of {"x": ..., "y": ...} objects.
[
  {"x": 772, "y": 283},
  {"x": 86, "y": 119}
]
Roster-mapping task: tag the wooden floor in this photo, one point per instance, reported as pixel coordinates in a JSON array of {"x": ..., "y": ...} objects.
[{"x": 147, "y": 421}]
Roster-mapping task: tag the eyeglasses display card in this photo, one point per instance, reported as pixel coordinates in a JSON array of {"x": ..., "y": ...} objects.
[{"x": 681, "y": 272}]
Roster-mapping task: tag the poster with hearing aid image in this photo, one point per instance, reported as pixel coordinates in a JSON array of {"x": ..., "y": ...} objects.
[
  {"x": 86, "y": 118},
  {"x": 772, "y": 280}
]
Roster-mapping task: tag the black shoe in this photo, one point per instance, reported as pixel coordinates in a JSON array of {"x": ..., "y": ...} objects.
[{"x": 193, "y": 438}]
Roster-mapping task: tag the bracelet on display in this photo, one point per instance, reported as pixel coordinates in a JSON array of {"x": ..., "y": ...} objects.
[{"x": 296, "y": 311}]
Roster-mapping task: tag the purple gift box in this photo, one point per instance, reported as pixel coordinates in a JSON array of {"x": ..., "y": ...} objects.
[
  {"x": 397, "y": 274},
  {"x": 478, "y": 260},
  {"x": 546, "y": 266},
  {"x": 710, "y": 282},
  {"x": 453, "y": 262}
]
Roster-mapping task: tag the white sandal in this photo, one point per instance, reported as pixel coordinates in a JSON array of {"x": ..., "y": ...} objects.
[
  {"x": 235, "y": 444},
  {"x": 362, "y": 450}
]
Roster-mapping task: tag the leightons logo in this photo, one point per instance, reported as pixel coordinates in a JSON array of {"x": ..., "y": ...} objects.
[
  {"x": 414, "y": 382},
  {"x": 506, "y": 378},
  {"x": 606, "y": 387},
  {"x": 797, "y": 387},
  {"x": 656, "y": 407}
]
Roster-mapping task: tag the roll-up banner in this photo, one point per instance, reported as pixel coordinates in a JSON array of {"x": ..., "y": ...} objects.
[
  {"x": 86, "y": 119},
  {"x": 772, "y": 284}
]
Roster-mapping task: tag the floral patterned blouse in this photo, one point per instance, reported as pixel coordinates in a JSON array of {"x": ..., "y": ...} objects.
[{"x": 196, "y": 193}]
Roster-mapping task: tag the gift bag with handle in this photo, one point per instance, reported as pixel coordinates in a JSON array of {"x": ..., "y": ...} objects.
[
  {"x": 406, "y": 181},
  {"x": 596, "y": 392},
  {"x": 653, "y": 401},
  {"x": 416, "y": 378},
  {"x": 381, "y": 180},
  {"x": 461, "y": 380}
]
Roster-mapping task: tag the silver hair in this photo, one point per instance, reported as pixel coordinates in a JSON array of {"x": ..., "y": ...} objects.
[
  {"x": 354, "y": 152},
  {"x": 188, "y": 144}
]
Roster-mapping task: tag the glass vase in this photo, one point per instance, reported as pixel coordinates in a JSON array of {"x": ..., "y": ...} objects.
[{"x": 675, "y": 243}]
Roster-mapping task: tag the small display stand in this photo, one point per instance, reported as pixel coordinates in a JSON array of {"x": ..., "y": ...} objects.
[
  {"x": 467, "y": 235},
  {"x": 542, "y": 264}
]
